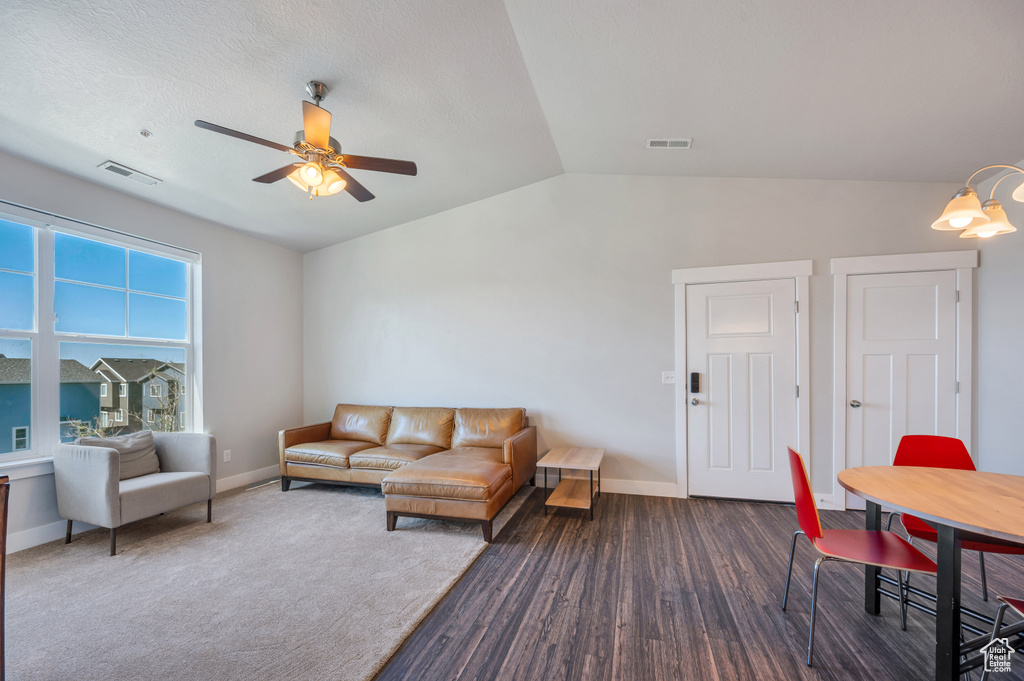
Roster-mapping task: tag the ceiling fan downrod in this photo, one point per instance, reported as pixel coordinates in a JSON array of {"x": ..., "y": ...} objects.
[{"x": 316, "y": 90}]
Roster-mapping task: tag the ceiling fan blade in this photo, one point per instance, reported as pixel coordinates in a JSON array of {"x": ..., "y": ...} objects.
[
  {"x": 242, "y": 136},
  {"x": 381, "y": 165},
  {"x": 279, "y": 174},
  {"x": 316, "y": 124},
  {"x": 354, "y": 188}
]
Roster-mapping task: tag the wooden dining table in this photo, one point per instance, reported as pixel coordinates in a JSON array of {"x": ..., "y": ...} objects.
[{"x": 957, "y": 503}]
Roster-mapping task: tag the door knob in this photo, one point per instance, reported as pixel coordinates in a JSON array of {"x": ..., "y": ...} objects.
[
  {"x": 695, "y": 401},
  {"x": 854, "y": 403}
]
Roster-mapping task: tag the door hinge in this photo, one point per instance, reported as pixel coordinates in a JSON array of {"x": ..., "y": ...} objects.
[
  {"x": 958, "y": 387},
  {"x": 796, "y": 307},
  {"x": 798, "y": 391},
  {"x": 958, "y": 295}
]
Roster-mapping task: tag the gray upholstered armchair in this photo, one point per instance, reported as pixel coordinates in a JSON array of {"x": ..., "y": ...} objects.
[{"x": 89, "y": 488}]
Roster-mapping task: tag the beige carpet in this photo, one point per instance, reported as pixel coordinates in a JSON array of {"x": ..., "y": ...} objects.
[{"x": 299, "y": 585}]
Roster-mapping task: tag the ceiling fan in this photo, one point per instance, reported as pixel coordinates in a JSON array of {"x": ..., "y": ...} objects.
[{"x": 321, "y": 172}]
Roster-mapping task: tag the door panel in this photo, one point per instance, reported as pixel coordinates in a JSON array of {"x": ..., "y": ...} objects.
[
  {"x": 901, "y": 363},
  {"x": 741, "y": 336}
]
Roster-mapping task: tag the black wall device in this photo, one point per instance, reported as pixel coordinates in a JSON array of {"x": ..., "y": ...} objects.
[{"x": 695, "y": 382}]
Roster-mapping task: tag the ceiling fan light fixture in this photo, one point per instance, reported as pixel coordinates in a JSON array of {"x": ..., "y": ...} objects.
[
  {"x": 962, "y": 212},
  {"x": 296, "y": 179},
  {"x": 333, "y": 181},
  {"x": 1018, "y": 193},
  {"x": 312, "y": 174},
  {"x": 997, "y": 224}
]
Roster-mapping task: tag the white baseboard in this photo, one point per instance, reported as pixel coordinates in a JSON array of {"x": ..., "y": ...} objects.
[
  {"x": 243, "y": 479},
  {"x": 34, "y": 536},
  {"x": 638, "y": 487},
  {"x": 827, "y": 502}
]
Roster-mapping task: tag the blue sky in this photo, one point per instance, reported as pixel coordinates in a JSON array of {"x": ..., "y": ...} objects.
[{"x": 100, "y": 289}]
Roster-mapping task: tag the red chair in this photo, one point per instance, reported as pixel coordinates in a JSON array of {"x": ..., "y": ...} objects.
[
  {"x": 866, "y": 547},
  {"x": 935, "y": 451},
  {"x": 1018, "y": 606}
]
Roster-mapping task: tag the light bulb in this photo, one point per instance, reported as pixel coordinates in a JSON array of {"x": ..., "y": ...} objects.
[
  {"x": 312, "y": 174},
  {"x": 333, "y": 182},
  {"x": 960, "y": 223},
  {"x": 336, "y": 186},
  {"x": 984, "y": 234}
]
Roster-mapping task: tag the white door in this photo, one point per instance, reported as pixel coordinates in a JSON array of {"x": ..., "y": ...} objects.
[
  {"x": 741, "y": 339},
  {"x": 901, "y": 363}
]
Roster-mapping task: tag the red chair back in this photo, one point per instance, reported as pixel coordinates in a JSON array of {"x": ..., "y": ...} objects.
[
  {"x": 933, "y": 451},
  {"x": 806, "y": 509}
]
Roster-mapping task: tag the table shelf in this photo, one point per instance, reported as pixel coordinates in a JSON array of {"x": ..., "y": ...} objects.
[{"x": 571, "y": 493}]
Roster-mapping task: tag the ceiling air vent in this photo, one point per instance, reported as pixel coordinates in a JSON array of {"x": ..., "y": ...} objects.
[
  {"x": 125, "y": 171},
  {"x": 674, "y": 143}
]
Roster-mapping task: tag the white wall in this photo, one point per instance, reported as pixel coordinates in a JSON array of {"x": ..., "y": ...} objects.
[
  {"x": 557, "y": 297},
  {"x": 252, "y": 323},
  {"x": 1000, "y": 333}
]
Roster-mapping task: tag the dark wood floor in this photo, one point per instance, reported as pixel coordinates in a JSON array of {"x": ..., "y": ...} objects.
[{"x": 659, "y": 588}]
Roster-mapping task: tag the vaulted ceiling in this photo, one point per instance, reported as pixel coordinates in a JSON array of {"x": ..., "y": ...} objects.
[{"x": 486, "y": 96}]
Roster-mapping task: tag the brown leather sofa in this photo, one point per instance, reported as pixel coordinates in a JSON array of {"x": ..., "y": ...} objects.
[{"x": 430, "y": 462}]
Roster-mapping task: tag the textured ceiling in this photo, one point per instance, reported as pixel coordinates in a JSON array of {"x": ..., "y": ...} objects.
[
  {"x": 488, "y": 96},
  {"x": 440, "y": 83},
  {"x": 914, "y": 90}
]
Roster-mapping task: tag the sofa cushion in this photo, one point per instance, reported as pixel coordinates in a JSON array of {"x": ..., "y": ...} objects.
[
  {"x": 421, "y": 426},
  {"x": 136, "y": 452},
  {"x": 486, "y": 427},
  {"x": 494, "y": 454},
  {"x": 326, "y": 453},
  {"x": 442, "y": 476},
  {"x": 390, "y": 456},
  {"x": 359, "y": 422},
  {"x": 151, "y": 495}
]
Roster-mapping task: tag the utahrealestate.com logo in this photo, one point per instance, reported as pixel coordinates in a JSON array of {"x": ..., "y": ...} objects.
[{"x": 997, "y": 655}]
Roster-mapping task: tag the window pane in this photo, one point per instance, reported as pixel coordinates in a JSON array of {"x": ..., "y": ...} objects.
[
  {"x": 153, "y": 274},
  {"x": 84, "y": 408},
  {"x": 85, "y": 260},
  {"x": 16, "y": 247},
  {"x": 15, "y": 395},
  {"x": 154, "y": 317},
  {"x": 16, "y": 301},
  {"x": 87, "y": 309}
]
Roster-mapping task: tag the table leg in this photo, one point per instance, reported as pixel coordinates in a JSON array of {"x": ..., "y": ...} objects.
[
  {"x": 591, "y": 495},
  {"x": 872, "y": 596},
  {"x": 947, "y": 619},
  {"x": 546, "y": 493}
]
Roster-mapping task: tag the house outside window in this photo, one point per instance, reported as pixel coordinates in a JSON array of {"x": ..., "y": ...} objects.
[
  {"x": 19, "y": 437},
  {"x": 149, "y": 415},
  {"x": 103, "y": 389},
  {"x": 122, "y": 390},
  {"x": 105, "y": 419},
  {"x": 119, "y": 415},
  {"x": 154, "y": 389}
]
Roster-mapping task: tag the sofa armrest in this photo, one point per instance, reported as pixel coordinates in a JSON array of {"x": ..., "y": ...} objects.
[
  {"x": 297, "y": 436},
  {"x": 520, "y": 450},
  {"x": 188, "y": 453},
  {"x": 88, "y": 484}
]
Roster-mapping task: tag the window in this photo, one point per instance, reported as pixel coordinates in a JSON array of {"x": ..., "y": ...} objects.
[
  {"x": 83, "y": 309},
  {"x": 149, "y": 416},
  {"x": 155, "y": 389},
  {"x": 20, "y": 438}
]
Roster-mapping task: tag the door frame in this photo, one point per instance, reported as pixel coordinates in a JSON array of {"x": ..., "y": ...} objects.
[
  {"x": 798, "y": 270},
  {"x": 963, "y": 263}
]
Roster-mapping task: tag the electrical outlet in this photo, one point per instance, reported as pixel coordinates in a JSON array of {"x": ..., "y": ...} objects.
[
  {"x": 227, "y": 455},
  {"x": 668, "y": 377}
]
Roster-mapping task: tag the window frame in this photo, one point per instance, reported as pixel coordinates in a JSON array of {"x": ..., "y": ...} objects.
[
  {"x": 15, "y": 438},
  {"x": 122, "y": 390},
  {"x": 45, "y": 353},
  {"x": 155, "y": 390},
  {"x": 118, "y": 415},
  {"x": 103, "y": 389}
]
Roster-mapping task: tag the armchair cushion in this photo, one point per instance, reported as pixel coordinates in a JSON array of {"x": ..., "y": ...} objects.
[
  {"x": 150, "y": 495},
  {"x": 136, "y": 452}
]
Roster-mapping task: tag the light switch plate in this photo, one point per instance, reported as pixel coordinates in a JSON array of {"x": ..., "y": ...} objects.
[{"x": 668, "y": 377}]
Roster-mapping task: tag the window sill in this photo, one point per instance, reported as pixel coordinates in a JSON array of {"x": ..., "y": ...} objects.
[{"x": 27, "y": 468}]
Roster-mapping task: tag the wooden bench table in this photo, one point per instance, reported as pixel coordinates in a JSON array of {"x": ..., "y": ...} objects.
[{"x": 573, "y": 492}]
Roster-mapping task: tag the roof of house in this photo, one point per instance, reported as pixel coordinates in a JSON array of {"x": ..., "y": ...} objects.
[
  {"x": 134, "y": 370},
  {"x": 19, "y": 370}
]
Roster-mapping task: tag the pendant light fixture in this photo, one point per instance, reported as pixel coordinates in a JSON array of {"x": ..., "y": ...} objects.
[{"x": 965, "y": 211}]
